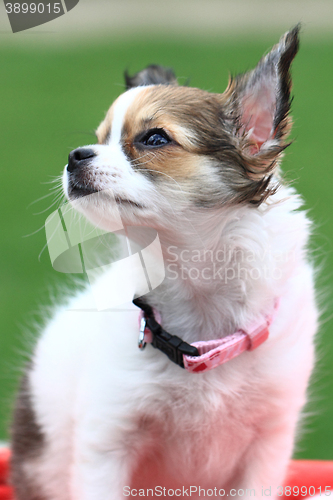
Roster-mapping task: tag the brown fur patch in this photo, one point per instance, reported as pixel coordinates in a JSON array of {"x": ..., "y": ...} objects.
[
  {"x": 27, "y": 443},
  {"x": 173, "y": 110}
]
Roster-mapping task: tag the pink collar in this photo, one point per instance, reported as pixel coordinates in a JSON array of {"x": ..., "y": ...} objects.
[
  {"x": 209, "y": 354},
  {"x": 216, "y": 352}
]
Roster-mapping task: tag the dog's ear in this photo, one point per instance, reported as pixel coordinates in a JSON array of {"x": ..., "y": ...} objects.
[
  {"x": 259, "y": 106},
  {"x": 152, "y": 75}
]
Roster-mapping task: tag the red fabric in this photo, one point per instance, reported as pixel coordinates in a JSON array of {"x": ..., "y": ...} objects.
[
  {"x": 301, "y": 473},
  {"x": 6, "y": 492},
  {"x": 313, "y": 474},
  {"x": 4, "y": 465}
]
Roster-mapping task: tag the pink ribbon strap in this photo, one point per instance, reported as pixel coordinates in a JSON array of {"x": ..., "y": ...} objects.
[{"x": 216, "y": 352}]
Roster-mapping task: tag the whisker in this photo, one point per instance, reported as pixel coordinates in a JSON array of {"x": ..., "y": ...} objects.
[
  {"x": 34, "y": 232},
  {"x": 39, "y": 199},
  {"x": 166, "y": 175},
  {"x": 56, "y": 178},
  {"x": 42, "y": 250},
  {"x": 58, "y": 199}
]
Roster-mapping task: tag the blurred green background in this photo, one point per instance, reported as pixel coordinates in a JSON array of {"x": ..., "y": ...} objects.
[{"x": 53, "y": 96}]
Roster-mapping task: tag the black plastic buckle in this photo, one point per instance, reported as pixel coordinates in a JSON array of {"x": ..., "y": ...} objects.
[{"x": 171, "y": 345}]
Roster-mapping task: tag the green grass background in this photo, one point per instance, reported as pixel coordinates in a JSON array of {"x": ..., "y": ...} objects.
[{"x": 52, "y": 99}]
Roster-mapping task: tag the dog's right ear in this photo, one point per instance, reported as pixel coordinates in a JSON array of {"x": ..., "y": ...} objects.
[{"x": 152, "y": 75}]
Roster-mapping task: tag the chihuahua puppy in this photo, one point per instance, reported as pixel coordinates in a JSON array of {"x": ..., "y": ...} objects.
[{"x": 214, "y": 408}]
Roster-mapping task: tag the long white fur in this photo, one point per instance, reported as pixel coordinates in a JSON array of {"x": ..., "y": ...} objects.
[{"x": 91, "y": 386}]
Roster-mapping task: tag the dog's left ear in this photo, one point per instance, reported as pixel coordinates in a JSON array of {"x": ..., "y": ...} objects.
[
  {"x": 152, "y": 75},
  {"x": 259, "y": 105}
]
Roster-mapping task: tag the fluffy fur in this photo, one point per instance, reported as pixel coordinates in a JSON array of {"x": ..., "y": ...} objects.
[{"x": 96, "y": 415}]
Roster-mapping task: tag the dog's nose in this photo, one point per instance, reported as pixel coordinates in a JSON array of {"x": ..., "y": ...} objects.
[{"x": 78, "y": 158}]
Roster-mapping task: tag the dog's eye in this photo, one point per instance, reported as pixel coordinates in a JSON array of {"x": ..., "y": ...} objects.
[{"x": 155, "y": 138}]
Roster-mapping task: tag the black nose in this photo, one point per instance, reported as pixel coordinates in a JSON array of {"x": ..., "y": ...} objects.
[{"x": 78, "y": 158}]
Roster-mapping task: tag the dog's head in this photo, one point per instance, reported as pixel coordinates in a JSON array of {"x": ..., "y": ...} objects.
[{"x": 164, "y": 148}]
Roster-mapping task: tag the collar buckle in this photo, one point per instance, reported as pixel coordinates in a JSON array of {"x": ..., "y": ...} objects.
[{"x": 171, "y": 345}]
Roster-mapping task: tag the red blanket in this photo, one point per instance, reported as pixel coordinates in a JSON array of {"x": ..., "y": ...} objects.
[{"x": 305, "y": 479}]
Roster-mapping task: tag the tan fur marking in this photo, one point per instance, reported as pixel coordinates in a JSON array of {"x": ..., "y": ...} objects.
[
  {"x": 168, "y": 108},
  {"x": 104, "y": 130}
]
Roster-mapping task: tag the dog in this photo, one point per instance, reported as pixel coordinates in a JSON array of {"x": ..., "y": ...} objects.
[{"x": 211, "y": 405}]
